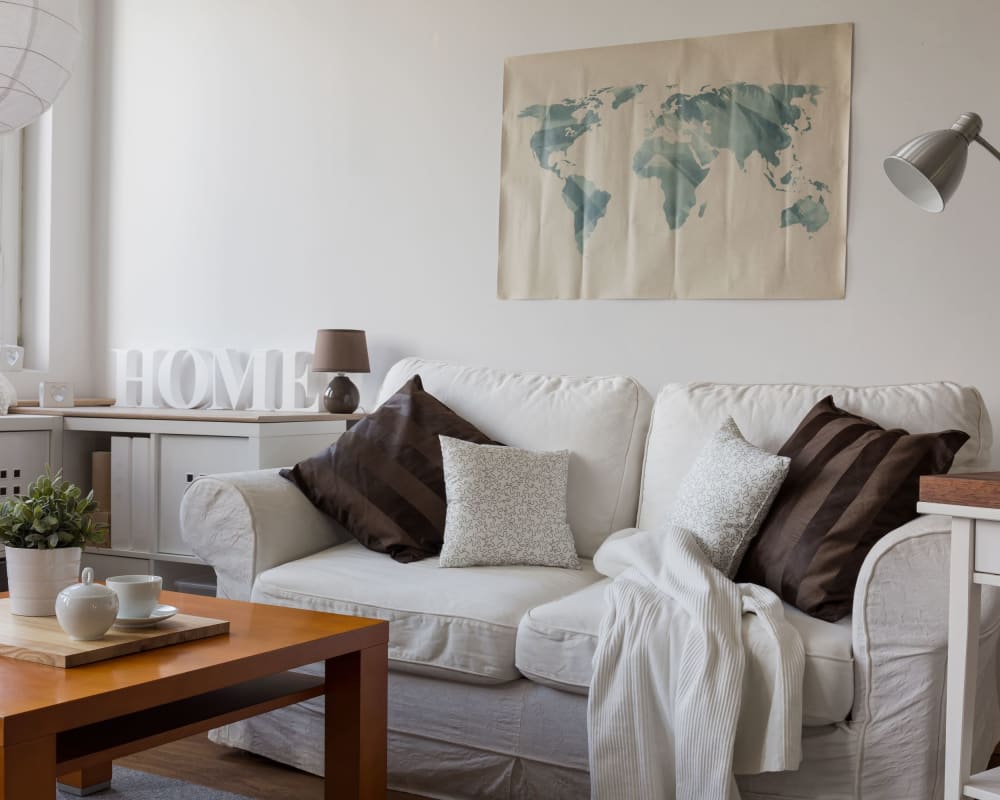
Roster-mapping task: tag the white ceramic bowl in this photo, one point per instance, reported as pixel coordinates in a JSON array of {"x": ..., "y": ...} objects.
[{"x": 86, "y": 610}]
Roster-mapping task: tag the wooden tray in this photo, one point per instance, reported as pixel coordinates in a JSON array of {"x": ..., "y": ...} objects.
[{"x": 42, "y": 641}]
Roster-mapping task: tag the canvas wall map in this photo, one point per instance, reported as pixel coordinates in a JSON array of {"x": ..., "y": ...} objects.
[{"x": 696, "y": 168}]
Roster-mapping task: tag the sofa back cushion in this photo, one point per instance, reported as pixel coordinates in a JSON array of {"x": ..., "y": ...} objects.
[
  {"x": 601, "y": 421},
  {"x": 685, "y": 415}
]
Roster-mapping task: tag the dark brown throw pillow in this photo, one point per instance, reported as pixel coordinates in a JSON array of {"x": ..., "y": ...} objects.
[
  {"x": 383, "y": 480},
  {"x": 850, "y": 483}
]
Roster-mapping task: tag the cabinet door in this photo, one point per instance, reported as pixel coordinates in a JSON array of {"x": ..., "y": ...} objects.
[
  {"x": 23, "y": 455},
  {"x": 184, "y": 458}
]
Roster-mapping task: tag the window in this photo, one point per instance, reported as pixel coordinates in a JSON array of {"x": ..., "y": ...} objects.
[{"x": 10, "y": 237}]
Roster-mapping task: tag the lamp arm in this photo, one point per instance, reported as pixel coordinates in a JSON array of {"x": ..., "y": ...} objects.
[{"x": 988, "y": 146}]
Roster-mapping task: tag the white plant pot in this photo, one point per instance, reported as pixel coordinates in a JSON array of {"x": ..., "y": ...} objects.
[{"x": 35, "y": 578}]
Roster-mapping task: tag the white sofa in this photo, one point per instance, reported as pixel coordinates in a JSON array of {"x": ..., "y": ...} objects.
[{"x": 490, "y": 666}]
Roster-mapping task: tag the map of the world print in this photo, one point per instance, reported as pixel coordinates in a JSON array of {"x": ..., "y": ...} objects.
[{"x": 698, "y": 168}]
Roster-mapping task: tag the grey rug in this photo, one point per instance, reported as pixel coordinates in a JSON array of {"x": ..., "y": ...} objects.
[{"x": 127, "y": 784}]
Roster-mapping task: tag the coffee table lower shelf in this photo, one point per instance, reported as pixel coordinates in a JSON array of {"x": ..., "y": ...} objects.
[{"x": 96, "y": 744}]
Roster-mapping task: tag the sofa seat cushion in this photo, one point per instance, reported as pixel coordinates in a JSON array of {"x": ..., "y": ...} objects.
[
  {"x": 459, "y": 624},
  {"x": 556, "y": 644}
]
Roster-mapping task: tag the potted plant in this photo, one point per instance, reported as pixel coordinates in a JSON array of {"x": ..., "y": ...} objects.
[{"x": 44, "y": 532}]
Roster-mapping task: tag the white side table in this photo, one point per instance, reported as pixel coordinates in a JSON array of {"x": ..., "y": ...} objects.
[{"x": 973, "y": 503}]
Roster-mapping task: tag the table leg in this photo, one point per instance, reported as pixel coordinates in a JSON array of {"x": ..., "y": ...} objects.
[
  {"x": 28, "y": 770},
  {"x": 356, "y": 725},
  {"x": 87, "y": 781},
  {"x": 963, "y": 658}
]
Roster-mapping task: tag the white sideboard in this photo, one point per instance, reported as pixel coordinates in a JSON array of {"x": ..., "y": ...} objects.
[
  {"x": 27, "y": 444},
  {"x": 177, "y": 447}
]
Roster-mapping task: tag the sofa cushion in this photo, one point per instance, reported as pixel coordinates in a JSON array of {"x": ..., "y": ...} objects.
[
  {"x": 601, "y": 421},
  {"x": 383, "y": 480},
  {"x": 459, "y": 624},
  {"x": 556, "y": 644},
  {"x": 684, "y": 416},
  {"x": 850, "y": 483},
  {"x": 726, "y": 495},
  {"x": 506, "y": 506}
]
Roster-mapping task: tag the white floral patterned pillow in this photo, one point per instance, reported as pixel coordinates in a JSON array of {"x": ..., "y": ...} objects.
[
  {"x": 505, "y": 506},
  {"x": 726, "y": 494}
]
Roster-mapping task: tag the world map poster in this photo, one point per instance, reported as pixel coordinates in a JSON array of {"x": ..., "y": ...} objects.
[{"x": 696, "y": 168}]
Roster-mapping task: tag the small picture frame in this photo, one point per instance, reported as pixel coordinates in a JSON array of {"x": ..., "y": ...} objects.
[
  {"x": 11, "y": 358},
  {"x": 55, "y": 394}
]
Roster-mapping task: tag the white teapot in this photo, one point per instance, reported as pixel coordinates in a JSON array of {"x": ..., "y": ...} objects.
[{"x": 86, "y": 610}]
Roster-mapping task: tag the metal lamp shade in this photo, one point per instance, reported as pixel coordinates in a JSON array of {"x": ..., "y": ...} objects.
[
  {"x": 929, "y": 168},
  {"x": 340, "y": 350}
]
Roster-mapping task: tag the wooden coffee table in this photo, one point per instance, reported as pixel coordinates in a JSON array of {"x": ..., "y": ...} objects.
[{"x": 71, "y": 723}]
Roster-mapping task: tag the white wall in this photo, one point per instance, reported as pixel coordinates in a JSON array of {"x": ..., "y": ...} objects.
[{"x": 266, "y": 168}]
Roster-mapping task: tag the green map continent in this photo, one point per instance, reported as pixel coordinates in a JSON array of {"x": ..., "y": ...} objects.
[
  {"x": 559, "y": 127},
  {"x": 688, "y": 132},
  {"x": 685, "y": 136}
]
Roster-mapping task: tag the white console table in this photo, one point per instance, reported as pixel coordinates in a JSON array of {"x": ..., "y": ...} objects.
[
  {"x": 181, "y": 446},
  {"x": 973, "y": 503}
]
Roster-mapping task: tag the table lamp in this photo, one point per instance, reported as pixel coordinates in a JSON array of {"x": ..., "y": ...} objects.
[
  {"x": 929, "y": 168},
  {"x": 340, "y": 350}
]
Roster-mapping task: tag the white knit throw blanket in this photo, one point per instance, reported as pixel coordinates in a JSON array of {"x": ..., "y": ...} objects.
[{"x": 696, "y": 678}]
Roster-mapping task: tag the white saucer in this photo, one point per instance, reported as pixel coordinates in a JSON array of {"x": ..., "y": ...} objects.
[{"x": 159, "y": 614}]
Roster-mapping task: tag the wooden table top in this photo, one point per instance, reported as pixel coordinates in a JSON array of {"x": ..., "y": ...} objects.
[
  {"x": 36, "y": 699},
  {"x": 976, "y": 489}
]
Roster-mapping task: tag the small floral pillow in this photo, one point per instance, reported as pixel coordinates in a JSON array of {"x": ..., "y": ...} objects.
[
  {"x": 726, "y": 494},
  {"x": 505, "y": 506}
]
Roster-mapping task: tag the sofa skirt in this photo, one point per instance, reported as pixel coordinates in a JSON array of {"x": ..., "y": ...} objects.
[
  {"x": 514, "y": 740},
  {"x": 525, "y": 741}
]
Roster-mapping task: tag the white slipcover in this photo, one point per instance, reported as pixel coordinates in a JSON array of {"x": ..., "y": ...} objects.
[
  {"x": 601, "y": 421},
  {"x": 890, "y": 747},
  {"x": 685, "y": 415},
  {"x": 459, "y": 624},
  {"x": 523, "y": 741},
  {"x": 556, "y": 643}
]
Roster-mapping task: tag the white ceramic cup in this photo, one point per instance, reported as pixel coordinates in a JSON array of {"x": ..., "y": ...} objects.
[{"x": 137, "y": 594}]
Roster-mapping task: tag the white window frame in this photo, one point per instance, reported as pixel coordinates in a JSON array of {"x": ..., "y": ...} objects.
[{"x": 10, "y": 237}]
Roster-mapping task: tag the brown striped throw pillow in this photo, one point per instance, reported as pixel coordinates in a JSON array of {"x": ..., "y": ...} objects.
[
  {"x": 383, "y": 480},
  {"x": 850, "y": 483}
]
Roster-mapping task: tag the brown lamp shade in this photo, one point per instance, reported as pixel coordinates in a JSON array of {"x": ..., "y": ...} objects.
[{"x": 340, "y": 350}]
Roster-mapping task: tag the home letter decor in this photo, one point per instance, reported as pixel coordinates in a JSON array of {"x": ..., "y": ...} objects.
[
  {"x": 266, "y": 380},
  {"x": 135, "y": 377},
  {"x": 696, "y": 168},
  {"x": 296, "y": 377},
  {"x": 197, "y": 364}
]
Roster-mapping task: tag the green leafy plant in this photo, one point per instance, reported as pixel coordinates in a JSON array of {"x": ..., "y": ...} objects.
[{"x": 54, "y": 513}]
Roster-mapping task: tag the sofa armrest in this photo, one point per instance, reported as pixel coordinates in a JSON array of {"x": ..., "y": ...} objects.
[
  {"x": 900, "y": 642},
  {"x": 246, "y": 522}
]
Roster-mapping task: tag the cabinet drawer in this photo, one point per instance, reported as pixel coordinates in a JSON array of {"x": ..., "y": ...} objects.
[
  {"x": 184, "y": 458},
  {"x": 988, "y": 547}
]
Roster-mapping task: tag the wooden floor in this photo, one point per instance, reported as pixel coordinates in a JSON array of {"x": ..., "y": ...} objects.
[{"x": 197, "y": 760}]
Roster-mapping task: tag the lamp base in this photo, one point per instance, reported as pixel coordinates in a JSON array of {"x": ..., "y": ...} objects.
[{"x": 341, "y": 396}]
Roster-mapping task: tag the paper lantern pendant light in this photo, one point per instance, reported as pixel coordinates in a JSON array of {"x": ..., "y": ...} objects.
[{"x": 38, "y": 44}]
